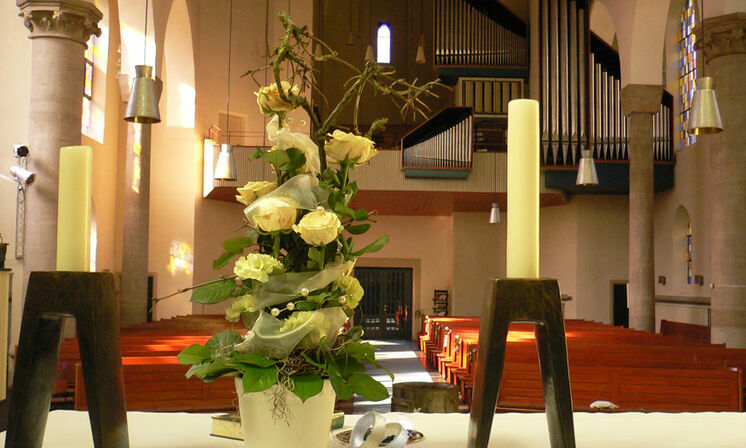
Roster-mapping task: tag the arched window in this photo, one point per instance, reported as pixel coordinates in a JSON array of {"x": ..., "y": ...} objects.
[
  {"x": 687, "y": 69},
  {"x": 383, "y": 44},
  {"x": 86, "y": 117}
]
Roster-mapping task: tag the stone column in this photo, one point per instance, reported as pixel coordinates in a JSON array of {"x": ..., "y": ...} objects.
[
  {"x": 133, "y": 302},
  {"x": 59, "y": 32},
  {"x": 639, "y": 103},
  {"x": 725, "y": 56}
]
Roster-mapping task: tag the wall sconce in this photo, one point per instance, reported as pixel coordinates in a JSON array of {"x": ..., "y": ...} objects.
[
  {"x": 662, "y": 279},
  {"x": 699, "y": 280}
]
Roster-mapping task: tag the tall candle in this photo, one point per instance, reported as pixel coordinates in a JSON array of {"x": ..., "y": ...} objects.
[
  {"x": 74, "y": 208},
  {"x": 523, "y": 189}
]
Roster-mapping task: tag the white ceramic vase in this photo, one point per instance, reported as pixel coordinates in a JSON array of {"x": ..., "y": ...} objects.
[{"x": 308, "y": 423}]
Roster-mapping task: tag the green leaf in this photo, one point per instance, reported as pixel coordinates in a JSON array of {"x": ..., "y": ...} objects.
[
  {"x": 257, "y": 154},
  {"x": 255, "y": 359},
  {"x": 341, "y": 388},
  {"x": 316, "y": 255},
  {"x": 276, "y": 158},
  {"x": 222, "y": 339},
  {"x": 210, "y": 371},
  {"x": 214, "y": 292},
  {"x": 361, "y": 214},
  {"x": 375, "y": 246},
  {"x": 194, "y": 354},
  {"x": 257, "y": 379},
  {"x": 223, "y": 260},
  {"x": 365, "y": 386},
  {"x": 307, "y": 386},
  {"x": 237, "y": 244},
  {"x": 357, "y": 229},
  {"x": 349, "y": 366},
  {"x": 296, "y": 159}
]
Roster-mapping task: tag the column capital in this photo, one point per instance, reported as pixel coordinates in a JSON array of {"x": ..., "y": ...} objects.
[
  {"x": 75, "y": 20},
  {"x": 723, "y": 36},
  {"x": 641, "y": 98}
]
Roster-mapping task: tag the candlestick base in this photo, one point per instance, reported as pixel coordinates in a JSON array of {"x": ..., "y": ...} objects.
[
  {"x": 89, "y": 297},
  {"x": 523, "y": 300}
]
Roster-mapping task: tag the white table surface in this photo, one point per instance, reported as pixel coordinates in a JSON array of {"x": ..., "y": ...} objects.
[{"x": 71, "y": 429}]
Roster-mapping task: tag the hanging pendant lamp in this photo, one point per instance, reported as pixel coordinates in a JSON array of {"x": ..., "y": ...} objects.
[
  {"x": 143, "y": 103},
  {"x": 225, "y": 168},
  {"x": 420, "y": 55},
  {"x": 586, "y": 169},
  {"x": 704, "y": 115},
  {"x": 495, "y": 214}
]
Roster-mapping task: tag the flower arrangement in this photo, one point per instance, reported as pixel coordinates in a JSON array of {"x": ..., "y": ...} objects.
[{"x": 292, "y": 285}]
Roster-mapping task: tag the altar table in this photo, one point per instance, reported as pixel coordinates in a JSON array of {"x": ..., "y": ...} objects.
[{"x": 71, "y": 429}]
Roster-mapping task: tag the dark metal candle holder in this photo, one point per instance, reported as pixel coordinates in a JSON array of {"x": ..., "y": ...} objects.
[
  {"x": 523, "y": 300},
  {"x": 89, "y": 297}
]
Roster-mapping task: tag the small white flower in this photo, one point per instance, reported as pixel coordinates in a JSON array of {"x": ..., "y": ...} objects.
[
  {"x": 275, "y": 312},
  {"x": 290, "y": 306}
]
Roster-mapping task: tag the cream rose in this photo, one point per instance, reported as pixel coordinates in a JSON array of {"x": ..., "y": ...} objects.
[
  {"x": 275, "y": 214},
  {"x": 256, "y": 266},
  {"x": 240, "y": 304},
  {"x": 253, "y": 191},
  {"x": 347, "y": 145},
  {"x": 269, "y": 100},
  {"x": 351, "y": 288},
  {"x": 319, "y": 227}
]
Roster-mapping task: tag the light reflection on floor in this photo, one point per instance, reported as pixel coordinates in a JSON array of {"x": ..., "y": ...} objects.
[{"x": 401, "y": 359}]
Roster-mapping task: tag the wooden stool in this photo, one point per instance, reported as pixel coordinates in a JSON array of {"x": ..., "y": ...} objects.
[
  {"x": 424, "y": 397},
  {"x": 523, "y": 300},
  {"x": 89, "y": 297}
]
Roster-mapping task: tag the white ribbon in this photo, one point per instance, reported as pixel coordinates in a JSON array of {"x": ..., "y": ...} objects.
[{"x": 379, "y": 431}]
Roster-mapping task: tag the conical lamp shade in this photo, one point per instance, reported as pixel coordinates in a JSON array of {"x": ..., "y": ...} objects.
[
  {"x": 420, "y": 57},
  {"x": 495, "y": 214},
  {"x": 225, "y": 169},
  {"x": 369, "y": 56},
  {"x": 143, "y": 104},
  {"x": 704, "y": 116},
  {"x": 586, "y": 170}
]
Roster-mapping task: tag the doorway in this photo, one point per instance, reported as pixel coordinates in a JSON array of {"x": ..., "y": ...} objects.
[
  {"x": 621, "y": 310},
  {"x": 386, "y": 309}
]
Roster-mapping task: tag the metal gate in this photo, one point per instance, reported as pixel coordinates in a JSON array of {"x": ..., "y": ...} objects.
[{"x": 386, "y": 309}]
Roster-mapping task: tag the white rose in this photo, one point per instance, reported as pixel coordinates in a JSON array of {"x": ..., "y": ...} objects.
[
  {"x": 269, "y": 100},
  {"x": 275, "y": 214},
  {"x": 256, "y": 266},
  {"x": 253, "y": 191},
  {"x": 319, "y": 227},
  {"x": 351, "y": 288},
  {"x": 347, "y": 145}
]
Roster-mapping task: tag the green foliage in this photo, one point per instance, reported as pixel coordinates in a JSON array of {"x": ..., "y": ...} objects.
[
  {"x": 306, "y": 386},
  {"x": 215, "y": 292}
]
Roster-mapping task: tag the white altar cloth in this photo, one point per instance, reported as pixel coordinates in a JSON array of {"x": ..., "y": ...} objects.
[{"x": 71, "y": 429}]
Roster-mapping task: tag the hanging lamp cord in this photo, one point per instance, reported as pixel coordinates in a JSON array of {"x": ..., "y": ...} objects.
[
  {"x": 228, "y": 101},
  {"x": 702, "y": 14},
  {"x": 145, "y": 40}
]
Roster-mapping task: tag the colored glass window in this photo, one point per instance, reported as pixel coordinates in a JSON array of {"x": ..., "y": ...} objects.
[
  {"x": 687, "y": 69},
  {"x": 383, "y": 44},
  {"x": 88, "y": 88}
]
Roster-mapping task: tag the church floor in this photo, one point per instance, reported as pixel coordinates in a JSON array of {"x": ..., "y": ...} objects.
[{"x": 403, "y": 360}]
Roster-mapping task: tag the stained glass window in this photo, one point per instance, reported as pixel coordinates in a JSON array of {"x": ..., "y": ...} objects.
[
  {"x": 689, "y": 271},
  {"x": 687, "y": 69},
  {"x": 383, "y": 44},
  {"x": 88, "y": 88}
]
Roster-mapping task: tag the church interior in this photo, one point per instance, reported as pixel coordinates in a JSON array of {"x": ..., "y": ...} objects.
[{"x": 640, "y": 214}]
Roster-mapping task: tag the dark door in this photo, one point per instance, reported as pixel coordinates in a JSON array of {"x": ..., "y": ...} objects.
[
  {"x": 385, "y": 311},
  {"x": 621, "y": 311}
]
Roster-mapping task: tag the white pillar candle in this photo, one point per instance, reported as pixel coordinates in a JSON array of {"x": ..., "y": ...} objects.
[
  {"x": 74, "y": 208},
  {"x": 523, "y": 189}
]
